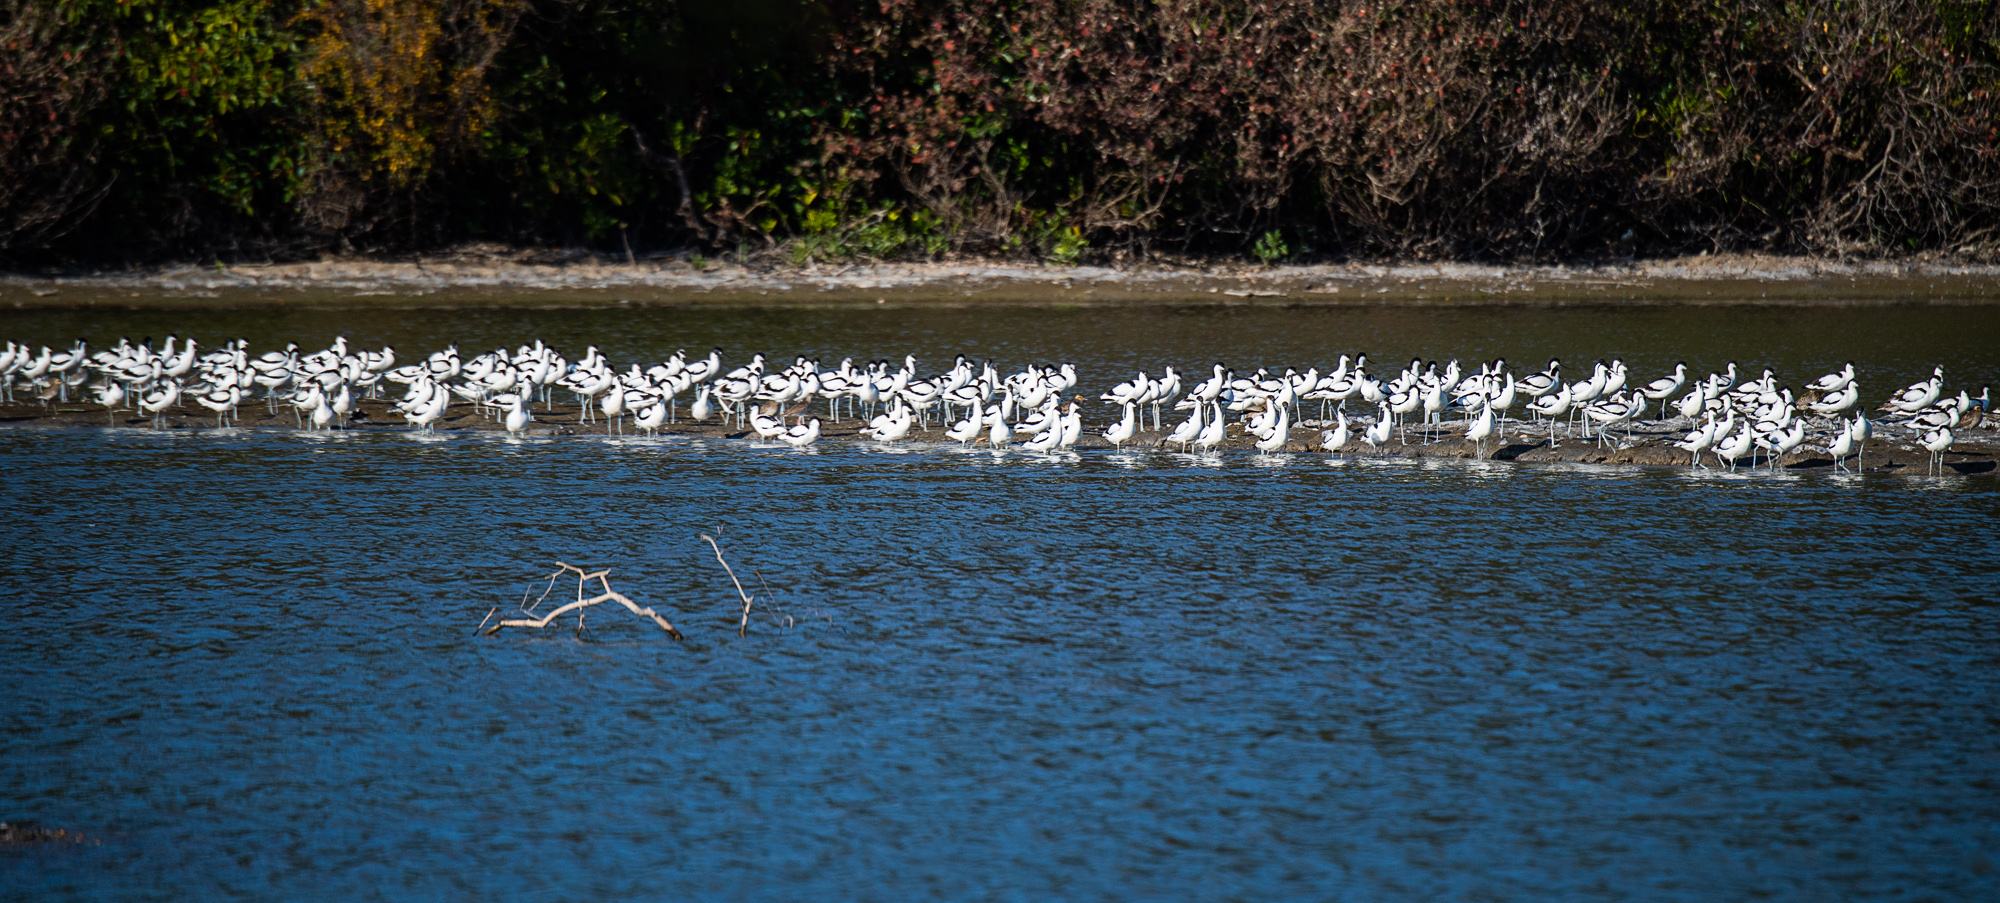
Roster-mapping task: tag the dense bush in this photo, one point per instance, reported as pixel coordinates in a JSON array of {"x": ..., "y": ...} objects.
[
  {"x": 1062, "y": 129},
  {"x": 51, "y": 75}
]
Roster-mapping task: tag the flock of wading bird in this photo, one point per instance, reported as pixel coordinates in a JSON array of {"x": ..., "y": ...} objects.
[{"x": 1727, "y": 416}]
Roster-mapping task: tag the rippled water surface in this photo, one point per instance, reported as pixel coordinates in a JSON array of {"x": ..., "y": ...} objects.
[{"x": 246, "y": 662}]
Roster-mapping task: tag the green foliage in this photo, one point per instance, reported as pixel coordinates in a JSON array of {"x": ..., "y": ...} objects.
[
  {"x": 1271, "y": 248},
  {"x": 1069, "y": 246},
  {"x": 832, "y": 232},
  {"x": 199, "y": 103}
]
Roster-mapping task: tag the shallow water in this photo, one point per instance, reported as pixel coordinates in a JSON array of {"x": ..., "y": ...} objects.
[
  {"x": 247, "y": 661},
  {"x": 1890, "y": 346}
]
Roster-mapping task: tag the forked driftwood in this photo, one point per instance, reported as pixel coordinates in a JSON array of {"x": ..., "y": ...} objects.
[
  {"x": 742, "y": 626},
  {"x": 582, "y": 577}
]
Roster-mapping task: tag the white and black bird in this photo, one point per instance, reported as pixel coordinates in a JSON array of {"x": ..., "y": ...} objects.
[
  {"x": 1659, "y": 389},
  {"x": 1919, "y": 395},
  {"x": 1334, "y": 440}
]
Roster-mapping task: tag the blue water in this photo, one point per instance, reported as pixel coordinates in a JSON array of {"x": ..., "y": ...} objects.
[{"x": 247, "y": 664}]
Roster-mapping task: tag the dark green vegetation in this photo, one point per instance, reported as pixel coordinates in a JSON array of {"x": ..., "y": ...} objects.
[{"x": 1061, "y": 129}]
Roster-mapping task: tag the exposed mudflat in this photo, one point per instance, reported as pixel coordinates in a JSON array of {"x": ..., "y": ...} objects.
[
  {"x": 494, "y": 277},
  {"x": 1975, "y": 453}
]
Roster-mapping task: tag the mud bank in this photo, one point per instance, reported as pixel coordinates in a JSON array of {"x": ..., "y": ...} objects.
[
  {"x": 1976, "y": 453},
  {"x": 482, "y": 277}
]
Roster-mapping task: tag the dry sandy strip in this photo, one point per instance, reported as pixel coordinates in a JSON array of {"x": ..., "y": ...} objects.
[
  {"x": 489, "y": 276},
  {"x": 1973, "y": 454}
]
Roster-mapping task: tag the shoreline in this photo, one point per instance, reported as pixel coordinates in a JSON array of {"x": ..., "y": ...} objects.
[
  {"x": 1975, "y": 454},
  {"x": 488, "y": 278}
]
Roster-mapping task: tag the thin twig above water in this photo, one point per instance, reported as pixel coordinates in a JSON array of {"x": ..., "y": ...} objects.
[{"x": 742, "y": 626}]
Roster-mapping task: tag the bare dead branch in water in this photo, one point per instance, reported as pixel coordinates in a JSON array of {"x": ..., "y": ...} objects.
[
  {"x": 545, "y": 592},
  {"x": 764, "y": 590},
  {"x": 582, "y": 577},
  {"x": 742, "y": 626}
]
